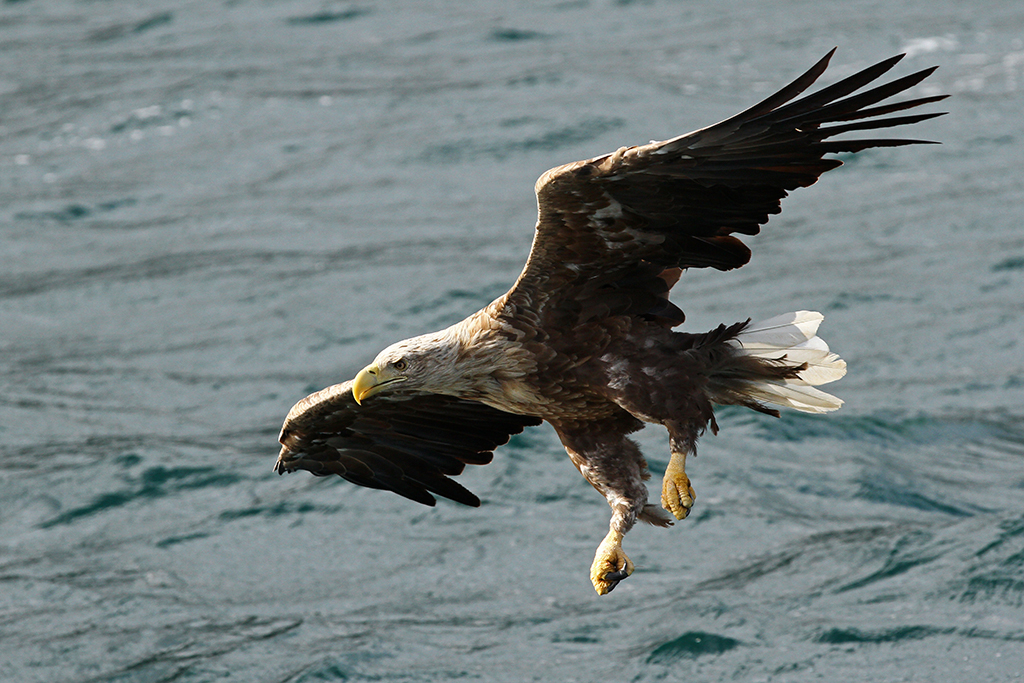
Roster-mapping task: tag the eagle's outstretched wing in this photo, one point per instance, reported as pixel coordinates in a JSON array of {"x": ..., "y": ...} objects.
[
  {"x": 408, "y": 444},
  {"x": 614, "y": 232}
]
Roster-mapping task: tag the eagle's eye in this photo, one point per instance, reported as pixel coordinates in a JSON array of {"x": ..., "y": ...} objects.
[{"x": 400, "y": 365}]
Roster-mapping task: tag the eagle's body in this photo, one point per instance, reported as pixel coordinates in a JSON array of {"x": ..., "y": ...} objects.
[{"x": 584, "y": 339}]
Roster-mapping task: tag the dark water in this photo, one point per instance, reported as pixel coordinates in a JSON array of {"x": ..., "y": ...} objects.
[{"x": 210, "y": 209}]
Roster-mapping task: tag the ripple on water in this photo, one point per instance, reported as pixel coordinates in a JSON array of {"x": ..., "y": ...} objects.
[{"x": 691, "y": 645}]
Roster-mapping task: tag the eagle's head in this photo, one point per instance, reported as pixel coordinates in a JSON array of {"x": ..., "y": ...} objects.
[{"x": 421, "y": 364}]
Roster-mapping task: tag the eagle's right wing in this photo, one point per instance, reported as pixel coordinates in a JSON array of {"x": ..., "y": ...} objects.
[{"x": 614, "y": 232}]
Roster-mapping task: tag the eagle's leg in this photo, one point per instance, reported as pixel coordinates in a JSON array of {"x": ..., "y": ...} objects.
[
  {"x": 614, "y": 466},
  {"x": 677, "y": 494}
]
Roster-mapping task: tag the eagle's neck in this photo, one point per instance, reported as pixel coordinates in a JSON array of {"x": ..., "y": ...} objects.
[{"x": 486, "y": 364}]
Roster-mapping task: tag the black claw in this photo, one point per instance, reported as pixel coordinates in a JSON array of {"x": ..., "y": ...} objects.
[{"x": 616, "y": 576}]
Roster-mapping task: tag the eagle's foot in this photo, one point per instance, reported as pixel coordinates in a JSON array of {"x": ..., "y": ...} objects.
[
  {"x": 610, "y": 564},
  {"x": 677, "y": 495}
]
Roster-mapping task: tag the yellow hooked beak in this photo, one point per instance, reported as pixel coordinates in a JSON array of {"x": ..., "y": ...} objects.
[{"x": 371, "y": 380}]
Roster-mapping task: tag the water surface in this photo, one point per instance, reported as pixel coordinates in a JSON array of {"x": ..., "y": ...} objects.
[{"x": 209, "y": 210}]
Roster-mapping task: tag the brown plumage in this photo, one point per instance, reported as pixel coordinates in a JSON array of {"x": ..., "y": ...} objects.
[{"x": 584, "y": 338}]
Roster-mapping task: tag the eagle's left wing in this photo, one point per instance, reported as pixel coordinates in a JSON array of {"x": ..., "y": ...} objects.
[
  {"x": 614, "y": 232},
  {"x": 409, "y": 444}
]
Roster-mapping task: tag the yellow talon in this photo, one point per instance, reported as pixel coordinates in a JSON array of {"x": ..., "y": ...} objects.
[
  {"x": 610, "y": 564},
  {"x": 677, "y": 496}
]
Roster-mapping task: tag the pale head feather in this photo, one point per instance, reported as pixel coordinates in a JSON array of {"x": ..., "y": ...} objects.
[{"x": 468, "y": 360}]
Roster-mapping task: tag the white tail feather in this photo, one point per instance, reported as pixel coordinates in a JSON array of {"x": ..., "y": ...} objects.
[{"x": 793, "y": 337}]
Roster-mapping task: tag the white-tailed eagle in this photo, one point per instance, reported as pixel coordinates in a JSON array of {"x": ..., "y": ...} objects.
[{"x": 584, "y": 339}]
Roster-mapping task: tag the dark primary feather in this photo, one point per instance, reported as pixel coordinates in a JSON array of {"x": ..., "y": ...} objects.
[
  {"x": 408, "y": 444},
  {"x": 610, "y": 227}
]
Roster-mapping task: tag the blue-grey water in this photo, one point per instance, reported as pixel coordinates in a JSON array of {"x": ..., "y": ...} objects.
[{"x": 210, "y": 209}]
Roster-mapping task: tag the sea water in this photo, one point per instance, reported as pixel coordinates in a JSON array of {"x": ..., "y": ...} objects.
[{"x": 210, "y": 209}]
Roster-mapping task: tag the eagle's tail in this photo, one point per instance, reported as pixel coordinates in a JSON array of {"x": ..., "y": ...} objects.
[{"x": 789, "y": 342}]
